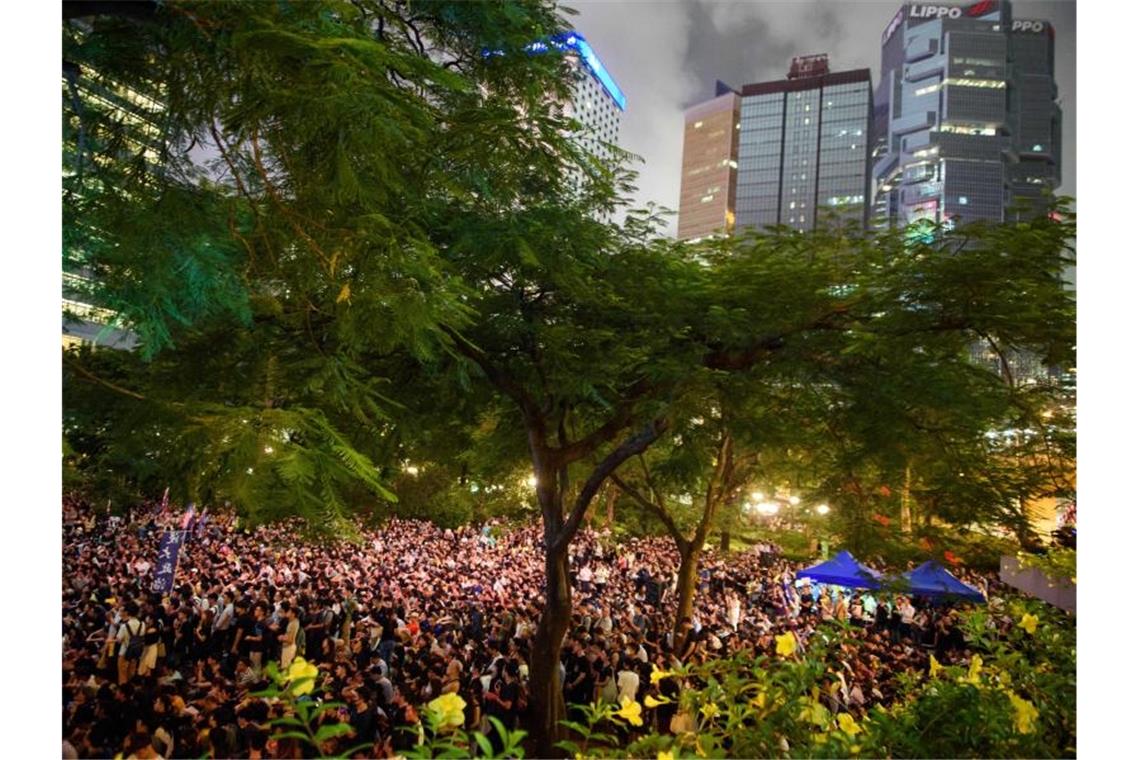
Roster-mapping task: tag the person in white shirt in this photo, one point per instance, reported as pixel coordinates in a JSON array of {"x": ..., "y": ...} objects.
[
  {"x": 733, "y": 606},
  {"x": 628, "y": 682},
  {"x": 585, "y": 578},
  {"x": 132, "y": 629}
]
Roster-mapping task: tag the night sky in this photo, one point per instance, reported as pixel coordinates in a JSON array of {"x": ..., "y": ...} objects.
[{"x": 668, "y": 55}]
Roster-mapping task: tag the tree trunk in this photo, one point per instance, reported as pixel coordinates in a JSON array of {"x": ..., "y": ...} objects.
[
  {"x": 905, "y": 516},
  {"x": 547, "y": 705},
  {"x": 611, "y": 500},
  {"x": 725, "y": 540},
  {"x": 686, "y": 583}
]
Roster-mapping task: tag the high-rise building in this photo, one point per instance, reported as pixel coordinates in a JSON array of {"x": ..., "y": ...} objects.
[
  {"x": 105, "y": 120},
  {"x": 968, "y": 115},
  {"x": 804, "y": 145},
  {"x": 708, "y": 167},
  {"x": 597, "y": 102}
]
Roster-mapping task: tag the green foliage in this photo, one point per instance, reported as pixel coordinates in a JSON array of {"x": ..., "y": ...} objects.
[
  {"x": 443, "y": 741},
  {"x": 1058, "y": 563},
  {"x": 312, "y": 723},
  {"x": 774, "y": 707}
]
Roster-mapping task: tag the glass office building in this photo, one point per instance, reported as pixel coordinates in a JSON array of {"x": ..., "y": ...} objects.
[
  {"x": 804, "y": 146},
  {"x": 969, "y": 121},
  {"x": 708, "y": 167}
]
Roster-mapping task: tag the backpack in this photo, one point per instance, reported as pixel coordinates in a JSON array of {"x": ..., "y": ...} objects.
[{"x": 134, "y": 643}]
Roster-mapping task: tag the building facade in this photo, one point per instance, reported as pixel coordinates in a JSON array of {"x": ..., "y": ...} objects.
[
  {"x": 709, "y": 167},
  {"x": 967, "y": 121},
  {"x": 111, "y": 120},
  {"x": 804, "y": 146},
  {"x": 597, "y": 102}
]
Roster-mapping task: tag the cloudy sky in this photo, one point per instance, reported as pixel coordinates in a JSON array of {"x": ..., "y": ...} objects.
[{"x": 668, "y": 54}]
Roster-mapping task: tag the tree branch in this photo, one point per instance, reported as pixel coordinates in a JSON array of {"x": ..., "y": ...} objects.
[
  {"x": 653, "y": 507},
  {"x": 497, "y": 376},
  {"x": 620, "y": 419},
  {"x": 635, "y": 444},
  {"x": 100, "y": 381}
]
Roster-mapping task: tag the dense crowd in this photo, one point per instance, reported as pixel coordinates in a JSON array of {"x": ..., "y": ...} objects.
[{"x": 414, "y": 612}]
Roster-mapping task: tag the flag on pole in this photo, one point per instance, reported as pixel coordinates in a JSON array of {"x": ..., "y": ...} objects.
[
  {"x": 186, "y": 518},
  {"x": 200, "y": 526},
  {"x": 164, "y": 568}
]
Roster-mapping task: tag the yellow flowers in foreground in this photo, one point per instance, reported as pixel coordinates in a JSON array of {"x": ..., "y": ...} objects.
[
  {"x": 848, "y": 725},
  {"x": 298, "y": 670},
  {"x": 710, "y": 710},
  {"x": 1025, "y": 714},
  {"x": 759, "y": 701},
  {"x": 664, "y": 756},
  {"x": 974, "y": 674},
  {"x": 630, "y": 710},
  {"x": 651, "y": 701},
  {"x": 935, "y": 667},
  {"x": 656, "y": 675},
  {"x": 448, "y": 711},
  {"x": 1029, "y": 623},
  {"x": 786, "y": 644}
]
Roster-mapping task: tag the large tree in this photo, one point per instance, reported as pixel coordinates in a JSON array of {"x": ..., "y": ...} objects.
[{"x": 387, "y": 188}]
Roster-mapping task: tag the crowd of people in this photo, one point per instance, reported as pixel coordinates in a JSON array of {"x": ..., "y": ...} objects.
[{"x": 411, "y": 613}]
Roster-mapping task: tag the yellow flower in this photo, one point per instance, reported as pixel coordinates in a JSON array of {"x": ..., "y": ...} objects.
[
  {"x": 300, "y": 669},
  {"x": 710, "y": 710},
  {"x": 974, "y": 674},
  {"x": 935, "y": 667},
  {"x": 656, "y": 675},
  {"x": 816, "y": 713},
  {"x": 760, "y": 700},
  {"x": 1029, "y": 623},
  {"x": 651, "y": 701},
  {"x": 1025, "y": 716},
  {"x": 630, "y": 710},
  {"x": 665, "y": 755},
  {"x": 848, "y": 725},
  {"x": 786, "y": 644},
  {"x": 448, "y": 711}
]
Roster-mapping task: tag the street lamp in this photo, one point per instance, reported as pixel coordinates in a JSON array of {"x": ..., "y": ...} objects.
[{"x": 823, "y": 509}]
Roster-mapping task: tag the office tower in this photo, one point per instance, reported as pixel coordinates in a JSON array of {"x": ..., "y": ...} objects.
[
  {"x": 804, "y": 146},
  {"x": 970, "y": 119},
  {"x": 1035, "y": 117},
  {"x": 105, "y": 119},
  {"x": 597, "y": 102},
  {"x": 708, "y": 167}
]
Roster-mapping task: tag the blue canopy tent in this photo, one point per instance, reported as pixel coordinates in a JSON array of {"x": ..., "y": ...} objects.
[
  {"x": 931, "y": 579},
  {"x": 842, "y": 570}
]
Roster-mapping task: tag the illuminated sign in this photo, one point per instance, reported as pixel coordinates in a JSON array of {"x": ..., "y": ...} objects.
[
  {"x": 976, "y": 10},
  {"x": 1033, "y": 27},
  {"x": 593, "y": 63},
  {"x": 575, "y": 41},
  {"x": 935, "y": 11}
]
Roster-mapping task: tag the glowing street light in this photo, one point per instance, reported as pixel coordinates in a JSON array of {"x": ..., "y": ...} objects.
[
  {"x": 757, "y": 496},
  {"x": 794, "y": 501},
  {"x": 823, "y": 509},
  {"x": 411, "y": 469}
]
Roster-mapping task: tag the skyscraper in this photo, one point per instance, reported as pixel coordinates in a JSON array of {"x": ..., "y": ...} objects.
[
  {"x": 804, "y": 145},
  {"x": 708, "y": 166},
  {"x": 969, "y": 122},
  {"x": 597, "y": 103},
  {"x": 105, "y": 120}
]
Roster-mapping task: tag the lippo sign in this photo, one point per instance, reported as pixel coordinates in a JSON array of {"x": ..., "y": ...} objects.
[
  {"x": 1030, "y": 27},
  {"x": 953, "y": 11},
  {"x": 930, "y": 12}
]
